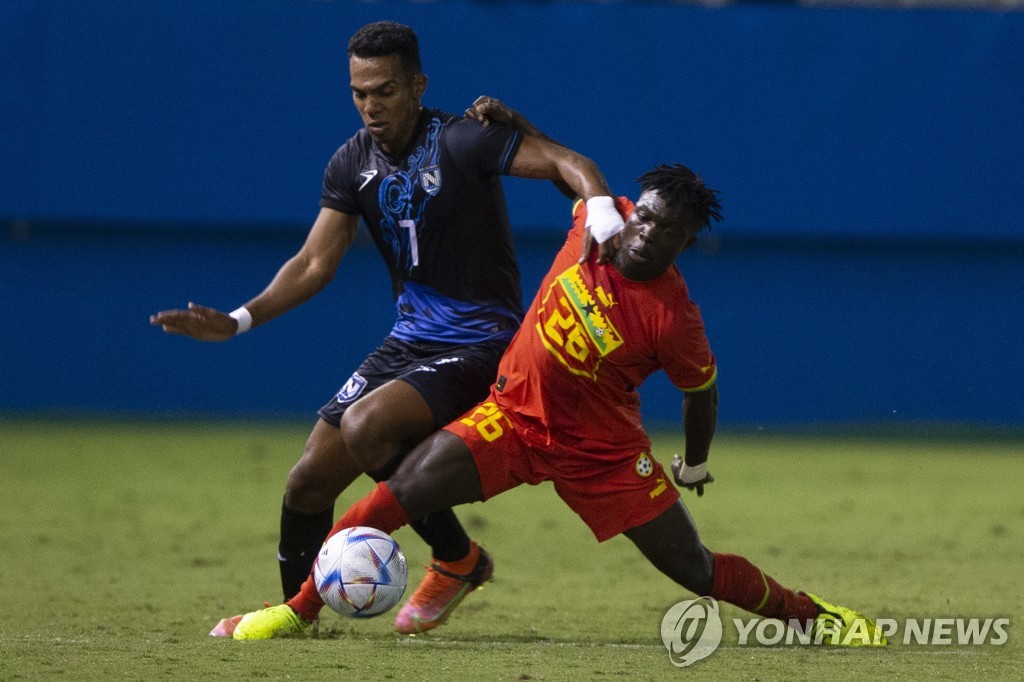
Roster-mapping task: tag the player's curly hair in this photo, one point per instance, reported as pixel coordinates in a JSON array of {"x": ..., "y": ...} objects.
[
  {"x": 683, "y": 190},
  {"x": 384, "y": 38}
]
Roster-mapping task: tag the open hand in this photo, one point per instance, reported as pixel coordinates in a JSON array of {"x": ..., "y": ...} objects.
[{"x": 199, "y": 322}]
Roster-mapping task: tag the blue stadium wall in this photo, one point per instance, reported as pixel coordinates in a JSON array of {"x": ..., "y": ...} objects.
[{"x": 869, "y": 270}]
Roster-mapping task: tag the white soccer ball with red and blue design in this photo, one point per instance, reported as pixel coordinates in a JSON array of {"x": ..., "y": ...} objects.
[{"x": 360, "y": 572}]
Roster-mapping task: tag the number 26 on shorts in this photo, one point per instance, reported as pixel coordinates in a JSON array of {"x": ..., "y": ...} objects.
[{"x": 487, "y": 418}]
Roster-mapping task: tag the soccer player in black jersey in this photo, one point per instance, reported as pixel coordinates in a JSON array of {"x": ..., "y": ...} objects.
[{"x": 427, "y": 184}]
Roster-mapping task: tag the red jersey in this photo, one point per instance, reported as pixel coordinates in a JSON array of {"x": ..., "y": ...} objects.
[{"x": 589, "y": 339}]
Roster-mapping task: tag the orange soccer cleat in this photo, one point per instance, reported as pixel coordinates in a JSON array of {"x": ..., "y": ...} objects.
[{"x": 440, "y": 592}]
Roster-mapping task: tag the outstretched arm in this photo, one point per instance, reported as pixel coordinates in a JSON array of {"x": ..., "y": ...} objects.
[
  {"x": 700, "y": 415},
  {"x": 574, "y": 175},
  {"x": 301, "y": 277},
  {"x": 486, "y": 109}
]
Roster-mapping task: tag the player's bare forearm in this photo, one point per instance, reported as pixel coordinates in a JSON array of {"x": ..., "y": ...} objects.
[
  {"x": 544, "y": 158},
  {"x": 576, "y": 176},
  {"x": 700, "y": 413},
  {"x": 573, "y": 174},
  {"x": 700, "y": 416},
  {"x": 301, "y": 277},
  {"x": 580, "y": 173},
  {"x": 295, "y": 283},
  {"x": 306, "y": 273}
]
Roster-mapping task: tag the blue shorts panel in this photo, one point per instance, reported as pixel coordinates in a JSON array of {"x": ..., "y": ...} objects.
[{"x": 450, "y": 377}]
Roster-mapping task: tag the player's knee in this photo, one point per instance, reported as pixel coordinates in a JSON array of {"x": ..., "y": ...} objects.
[
  {"x": 438, "y": 474},
  {"x": 361, "y": 430},
  {"x": 368, "y": 439},
  {"x": 308, "y": 489},
  {"x": 301, "y": 491}
]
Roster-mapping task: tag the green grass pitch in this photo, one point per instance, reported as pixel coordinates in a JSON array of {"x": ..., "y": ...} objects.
[{"x": 123, "y": 543}]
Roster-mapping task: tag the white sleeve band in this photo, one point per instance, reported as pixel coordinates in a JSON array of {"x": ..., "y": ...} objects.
[
  {"x": 690, "y": 474},
  {"x": 244, "y": 319},
  {"x": 602, "y": 218}
]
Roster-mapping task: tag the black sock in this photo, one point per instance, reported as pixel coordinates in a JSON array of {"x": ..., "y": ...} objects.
[
  {"x": 445, "y": 535},
  {"x": 301, "y": 538}
]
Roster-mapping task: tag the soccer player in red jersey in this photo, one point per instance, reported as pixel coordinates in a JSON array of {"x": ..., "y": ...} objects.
[{"x": 565, "y": 409}]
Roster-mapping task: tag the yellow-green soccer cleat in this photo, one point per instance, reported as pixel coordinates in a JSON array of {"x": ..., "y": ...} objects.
[
  {"x": 840, "y": 626},
  {"x": 273, "y": 622}
]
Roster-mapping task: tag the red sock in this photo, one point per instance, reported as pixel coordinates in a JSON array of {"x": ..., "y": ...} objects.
[
  {"x": 378, "y": 510},
  {"x": 740, "y": 582}
]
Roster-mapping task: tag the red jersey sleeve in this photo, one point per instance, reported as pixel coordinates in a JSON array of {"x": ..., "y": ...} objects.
[{"x": 684, "y": 350}]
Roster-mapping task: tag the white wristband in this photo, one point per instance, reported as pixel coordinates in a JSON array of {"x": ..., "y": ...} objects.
[
  {"x": 602, "y": 219},
  {"x": 244, "y": 319},
  {"x": 690, "y": 474}
]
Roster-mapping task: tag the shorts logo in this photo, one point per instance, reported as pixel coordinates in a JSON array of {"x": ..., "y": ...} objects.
[
  {"x": 432, "y": 366},
  {"x": 658, "y": 489},
  {"x": 644, "y": 465},
  {"x": 352, "y": 389}
]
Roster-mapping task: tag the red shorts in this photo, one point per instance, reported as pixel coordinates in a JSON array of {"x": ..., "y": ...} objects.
[{"x": 611, "y": 493}]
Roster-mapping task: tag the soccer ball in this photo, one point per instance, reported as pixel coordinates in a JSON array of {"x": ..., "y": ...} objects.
[{"x": 360, "y": 572}]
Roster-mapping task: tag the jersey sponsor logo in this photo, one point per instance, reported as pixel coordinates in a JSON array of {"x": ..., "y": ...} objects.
[
  {"x": 574, "y": 325},
  {"x": 368, "y": 175},
  {"x": 644, "y": 465},
  {"x": 352, "y": 388},
  {"x": 430, "y": 178}
]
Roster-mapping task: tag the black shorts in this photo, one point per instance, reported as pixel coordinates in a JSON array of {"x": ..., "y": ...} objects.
[{"x": 451, "y": 377}]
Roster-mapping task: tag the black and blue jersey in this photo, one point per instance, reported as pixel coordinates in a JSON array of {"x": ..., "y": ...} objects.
[{"x": 439, "y": 218}]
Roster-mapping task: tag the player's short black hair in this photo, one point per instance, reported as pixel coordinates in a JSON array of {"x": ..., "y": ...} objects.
[
  {"x": 384, "y": 38},
  {"x": 683, "y": 190}
]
